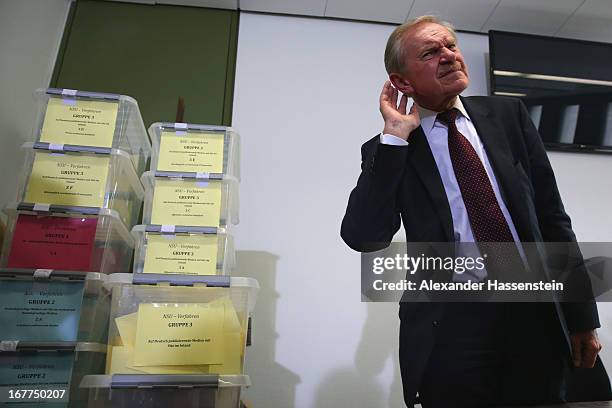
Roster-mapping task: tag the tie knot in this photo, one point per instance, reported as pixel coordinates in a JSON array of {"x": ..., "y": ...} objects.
[{"x": 448, "y": 117}]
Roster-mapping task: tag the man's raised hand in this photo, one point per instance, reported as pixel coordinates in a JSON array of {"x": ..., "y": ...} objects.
[{"x": 397, "y": 121}]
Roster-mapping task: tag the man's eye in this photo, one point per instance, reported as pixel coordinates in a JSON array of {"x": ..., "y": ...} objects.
[{"x": 451, "y": 46}]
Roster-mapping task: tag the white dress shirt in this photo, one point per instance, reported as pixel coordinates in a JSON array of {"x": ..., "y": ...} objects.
[{"x": 436, "y": 133}]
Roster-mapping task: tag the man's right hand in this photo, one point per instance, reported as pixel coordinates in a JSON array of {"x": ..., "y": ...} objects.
[{"x": 397, "y": 122}]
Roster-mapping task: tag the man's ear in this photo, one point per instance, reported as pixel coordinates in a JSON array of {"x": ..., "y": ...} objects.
[{"x": 401, "y": 84}]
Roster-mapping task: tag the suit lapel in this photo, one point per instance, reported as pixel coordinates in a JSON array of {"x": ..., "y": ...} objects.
[
  {"x": 421, "y": 158},
  {"x": 499, "y": 153}
]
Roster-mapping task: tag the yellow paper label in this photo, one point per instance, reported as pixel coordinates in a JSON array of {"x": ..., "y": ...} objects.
[
  {"x": 121, "y": 358},
  {"x": 67, "y": 180},
  {"x": 185, "y": 254},
  {"x": 233, "y": 342},
  {"x": 179, "y": 334},
  {"x": 232, "y": 358},
  {"x": 126, "y": 325},
  {"x": 81, "y": 122},
  {"x": 191, "y": 152},
  {"x": 119, "y": 361},
  {"x": 181, "y": 203},
  {"x": 173, "y": 369}
]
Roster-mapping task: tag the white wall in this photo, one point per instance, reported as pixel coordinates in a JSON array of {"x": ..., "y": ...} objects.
[
  {"x": 30, "y": 33},
  {"x": 306, "y": 98}
]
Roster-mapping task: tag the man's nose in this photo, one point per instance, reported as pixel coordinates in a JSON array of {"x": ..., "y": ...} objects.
[{"x": 447, "y": 55}]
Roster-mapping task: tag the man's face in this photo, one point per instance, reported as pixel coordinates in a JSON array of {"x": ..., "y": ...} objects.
[{"x": 435, "y": 69}]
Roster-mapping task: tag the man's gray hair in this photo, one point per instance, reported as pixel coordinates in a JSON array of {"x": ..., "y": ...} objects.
[{"x": 394, "y": 53}]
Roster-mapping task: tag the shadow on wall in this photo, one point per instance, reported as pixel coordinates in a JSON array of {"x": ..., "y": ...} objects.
[
  {"x": 358, "y": 386},
  {"x": 273, "y": 384}
]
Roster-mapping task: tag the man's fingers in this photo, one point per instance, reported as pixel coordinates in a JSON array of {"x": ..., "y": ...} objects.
[
  {"x": 394, "y": 97},
  {"x": 384, "y": 94},
  {"x": 403, "y": 104},
  {"x": 413, "y": 109},
  {"x": 585, "y": 347},
  {"x": 591, "y": 347},
  {"x": 387, "y": 92},
  {"x": 576, "y": 351},
  {"x": 589, "y": 355}
]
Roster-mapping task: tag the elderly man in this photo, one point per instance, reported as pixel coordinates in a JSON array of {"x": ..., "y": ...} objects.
[{"x": 465, "y": 169}]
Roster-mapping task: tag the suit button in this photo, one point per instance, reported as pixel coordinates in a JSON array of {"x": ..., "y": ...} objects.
[{"x": 434, "y": 323}]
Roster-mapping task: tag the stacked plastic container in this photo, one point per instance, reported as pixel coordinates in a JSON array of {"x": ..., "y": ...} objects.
[
  {"x": 191, "y": 200},
  {"x": 78, "y": 196},
  {"x": 178, "y": 325},
  {"x": 79, "y": 192},
  {"x": 54, "y": 332}
]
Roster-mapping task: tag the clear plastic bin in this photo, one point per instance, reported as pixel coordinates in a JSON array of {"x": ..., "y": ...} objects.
[
  {"x": 189, "y": 148},
  {"x": 103, "y": 120},
  {"x": 175, "y": 324},
  {"x": 163, "y": 391},
  {"x": 183, "y": 250},
  {"x": 189, "y": 201},
  {"x": 65, "y": 238},
  {"x": 50, "y": 306},
  {"x": 81, "y": 178},
  {"x": 60, "y": 367}
]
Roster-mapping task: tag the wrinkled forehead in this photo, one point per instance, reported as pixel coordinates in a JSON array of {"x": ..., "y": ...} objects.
[{"x": 426, "y": 34}]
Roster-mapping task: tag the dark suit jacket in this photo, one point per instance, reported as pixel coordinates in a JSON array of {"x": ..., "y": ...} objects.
[{"x": 404, "y": 182}]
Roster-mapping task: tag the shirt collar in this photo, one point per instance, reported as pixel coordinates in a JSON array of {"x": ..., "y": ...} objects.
[{"x": 428, "y": 117}]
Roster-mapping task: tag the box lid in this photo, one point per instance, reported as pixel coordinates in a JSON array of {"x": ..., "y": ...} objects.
[{"x": 164, "y": 381}]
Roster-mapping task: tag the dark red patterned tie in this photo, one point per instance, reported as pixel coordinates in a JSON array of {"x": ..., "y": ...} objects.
[{"x": 486, "y": 218}]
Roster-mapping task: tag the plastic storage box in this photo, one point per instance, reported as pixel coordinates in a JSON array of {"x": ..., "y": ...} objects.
[
  {"x": 189, "y": 201},
  {"x": 162, "y": 391},
  {"x": 58, "y": 368},
  {"x": 189, "y": 148},
  {"x": 66, "y": 239},
  {"x": 183, "y": 250},
  {"x": 79, "y": 118},
  {"x": 175, "y": 324},
  {"x": 52, "y": 306},
  {"x": 80, "y": 178}
]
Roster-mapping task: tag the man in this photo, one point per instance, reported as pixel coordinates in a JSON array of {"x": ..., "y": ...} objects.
[{"x": 433, "y": 167}]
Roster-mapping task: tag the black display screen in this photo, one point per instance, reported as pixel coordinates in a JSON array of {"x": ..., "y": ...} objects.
[{"x": 565, "y": 83}]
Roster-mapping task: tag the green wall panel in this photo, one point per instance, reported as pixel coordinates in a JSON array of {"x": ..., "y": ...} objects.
[{"x": 154, "y": 54}]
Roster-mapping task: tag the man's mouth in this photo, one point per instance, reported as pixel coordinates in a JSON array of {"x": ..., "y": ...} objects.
[{"x": 450, "y": 71}]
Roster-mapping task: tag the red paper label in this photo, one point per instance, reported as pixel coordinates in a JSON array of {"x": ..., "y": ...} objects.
[{"x": 47, "y": 242}]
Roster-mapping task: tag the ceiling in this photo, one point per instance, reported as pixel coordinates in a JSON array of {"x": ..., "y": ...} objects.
[{"x": 581, "y": 19}]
